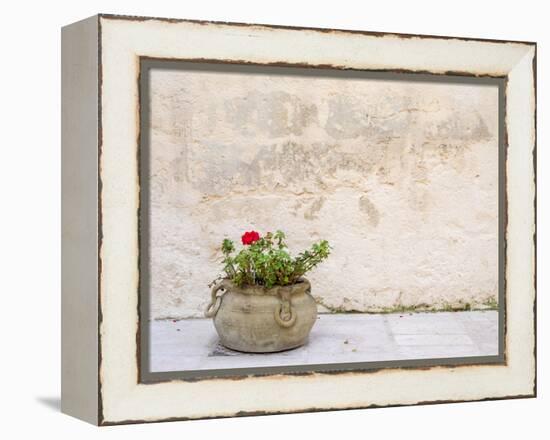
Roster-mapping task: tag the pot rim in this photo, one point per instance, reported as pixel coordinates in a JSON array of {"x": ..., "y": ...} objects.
[{"x": 301, "y": 286}]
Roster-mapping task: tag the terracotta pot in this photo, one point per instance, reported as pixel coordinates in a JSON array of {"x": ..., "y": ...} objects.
[{"x": 258, "y": 320}]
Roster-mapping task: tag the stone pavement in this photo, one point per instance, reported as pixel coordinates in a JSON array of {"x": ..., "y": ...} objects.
[{"x": 192, "y": 344}]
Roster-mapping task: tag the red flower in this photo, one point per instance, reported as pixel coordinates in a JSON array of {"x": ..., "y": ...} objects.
[{"x": 250, "y": 237}]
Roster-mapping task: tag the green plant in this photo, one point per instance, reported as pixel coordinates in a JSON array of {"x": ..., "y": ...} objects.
[{"x": 265, "y": 261}]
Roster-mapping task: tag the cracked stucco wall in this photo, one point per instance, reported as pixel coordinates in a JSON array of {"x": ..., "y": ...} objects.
[{"x": 401, "y": 177}]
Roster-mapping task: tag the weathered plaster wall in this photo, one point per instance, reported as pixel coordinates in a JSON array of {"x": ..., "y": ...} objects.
[{"x": 400, "y": 177}]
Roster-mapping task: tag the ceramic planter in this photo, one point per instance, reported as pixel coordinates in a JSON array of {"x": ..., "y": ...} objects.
[{"x": 259, "y": 320}]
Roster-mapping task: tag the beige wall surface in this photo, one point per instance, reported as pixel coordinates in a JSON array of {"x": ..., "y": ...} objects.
[{"x": 400, "y": 176}]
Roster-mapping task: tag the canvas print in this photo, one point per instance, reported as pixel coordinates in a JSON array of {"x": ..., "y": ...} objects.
[{"x": 298, "y": 219}]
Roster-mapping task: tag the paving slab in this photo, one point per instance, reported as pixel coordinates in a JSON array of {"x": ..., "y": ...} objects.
[{"x": 192, "y": 344}]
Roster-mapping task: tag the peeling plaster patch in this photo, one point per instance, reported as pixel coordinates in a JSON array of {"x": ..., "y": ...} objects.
[
  {"x": 370, "y": 210},
  {"x": 312, "y": 212},
  {"x": 277, "y": 113}
]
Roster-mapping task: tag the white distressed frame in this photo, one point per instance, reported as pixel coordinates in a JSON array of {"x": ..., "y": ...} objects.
[{"x": 122, "y": 42}]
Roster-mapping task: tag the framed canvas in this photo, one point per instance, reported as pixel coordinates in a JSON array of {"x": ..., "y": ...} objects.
[{"x": 266, "y": 219}]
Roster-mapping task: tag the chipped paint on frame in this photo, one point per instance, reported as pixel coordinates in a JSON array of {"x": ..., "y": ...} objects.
[{"x": 114, "y": 415}]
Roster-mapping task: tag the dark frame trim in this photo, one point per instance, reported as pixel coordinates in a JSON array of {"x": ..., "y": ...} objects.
[
  {"x": 142, "y": 336},
  {"x": 100, "y": 415}
]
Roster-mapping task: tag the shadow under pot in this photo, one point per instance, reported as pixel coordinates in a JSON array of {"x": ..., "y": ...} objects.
[{"x": 255, "y": 319}]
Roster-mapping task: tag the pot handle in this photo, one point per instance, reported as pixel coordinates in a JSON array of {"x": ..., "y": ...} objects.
[
  {"x": 284, "y": 315},
  {"x": 215, "y": 302}
]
